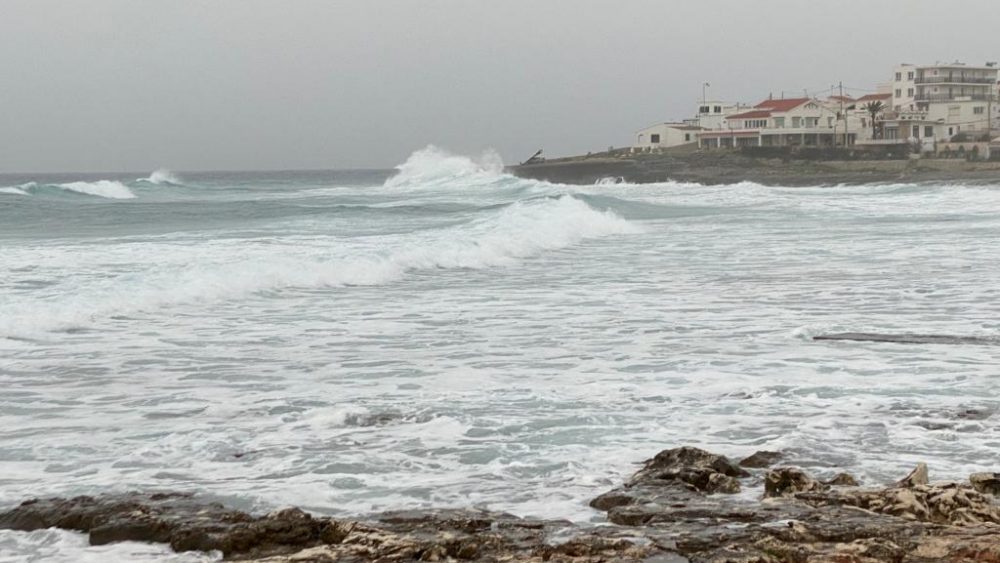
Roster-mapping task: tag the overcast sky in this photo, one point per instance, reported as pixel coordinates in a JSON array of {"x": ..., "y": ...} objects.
[{"x": 134, "y": 85}]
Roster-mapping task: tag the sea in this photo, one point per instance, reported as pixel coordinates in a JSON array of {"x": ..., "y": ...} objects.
[{"x": 444, "y": 334}]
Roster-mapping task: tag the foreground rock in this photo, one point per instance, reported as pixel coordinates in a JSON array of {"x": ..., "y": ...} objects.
[{"x": 679, "y": 507}]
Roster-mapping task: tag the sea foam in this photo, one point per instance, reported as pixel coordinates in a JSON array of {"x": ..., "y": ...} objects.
[{"x": 503, "y": 238}]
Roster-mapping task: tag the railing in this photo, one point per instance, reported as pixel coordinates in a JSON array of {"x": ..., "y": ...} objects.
[
  {"x": 954, "y": 80},
  {"x": 953, "y": 97}
]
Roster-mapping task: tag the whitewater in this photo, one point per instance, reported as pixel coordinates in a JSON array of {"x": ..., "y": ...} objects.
[{"x": 445, "y": 334}]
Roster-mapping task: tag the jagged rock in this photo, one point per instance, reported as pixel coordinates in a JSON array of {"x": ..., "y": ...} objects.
[
  {"x": 786, "y": 481},
  {"x": 988, "y": 483},
  {"x": 842, "y": 480},
  {"x": 707, "y": 472},
  {"x": 761, "y": 460},
  {"x": 916, "y": 477},
  {"x": 661, "y": 520}
]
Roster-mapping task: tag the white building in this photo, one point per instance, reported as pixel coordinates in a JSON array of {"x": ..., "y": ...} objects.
[
  {"x": 936, "y": 103},
  {"x": 712, "y": 114},
  {"x": 666, "y": 135},
  {"x": 904, "y": 87},
  {"x": 781, "y": 123}
]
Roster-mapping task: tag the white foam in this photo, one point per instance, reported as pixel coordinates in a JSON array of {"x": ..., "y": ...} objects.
[
  {"x": 101, "y": 188},
  {"x": 435, "y": 167},
  {"x": 502, "y": 239},
  {"x": 13, "y": 191},
  {"x": 162, "y": 176},
  {"x": 61, "y": 546}
]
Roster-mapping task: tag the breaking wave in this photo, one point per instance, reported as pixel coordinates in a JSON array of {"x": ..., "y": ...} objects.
[
  {"x": 504, "y": 238},
  {"x": 109, "y": 189},
  {"x": 162, "y": 176},
  {"x": 432, "y": 166}
]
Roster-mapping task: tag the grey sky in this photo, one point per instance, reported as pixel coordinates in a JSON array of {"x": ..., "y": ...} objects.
[{"x": 113, "y": 85}]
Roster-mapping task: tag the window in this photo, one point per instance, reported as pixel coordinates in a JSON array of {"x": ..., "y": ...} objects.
[
  {"x": 703, "y": 109},
  {"x": 979, "y": 110},
  {"x": 829, "y": 121},
  {"x": 899, "y": 76},
  {"x": 718, "y": 109},
  {"x": 754, "y": 123},
  {"x": 951, "y": 131},
  {"x": 796, "y": 122},
  {"x": 909, "y": 75},
  {"x": 654, "y": 138},
  {"x": 899, "y": 93},
  {"x": 928, "y": 131},
  {"x": 909, "y": 92},
  {"x": 779, "y": 122},
  {"x": 916, "y": 131},
  {"x": 687, "y": 137}
]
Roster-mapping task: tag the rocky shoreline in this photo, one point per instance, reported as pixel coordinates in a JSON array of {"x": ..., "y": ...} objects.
[
  {"x": 724, "y": 167},
  {"x": 680, "y": 507}
]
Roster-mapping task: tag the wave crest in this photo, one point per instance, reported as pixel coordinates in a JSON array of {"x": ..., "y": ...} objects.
[
  {"x": 102, "y": 188},
  {"x": 503, "y": 239},
  {"x": 162, "y": 176},
  {"x": 432, "y": 166}
]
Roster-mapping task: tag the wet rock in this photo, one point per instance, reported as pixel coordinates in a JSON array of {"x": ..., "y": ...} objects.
[
  {"x": 988, "y": 483},
  {"x": 761, "y": 460},
  {"x": 842, "y": 480},
  {"x": 707, "y": 472},
  {"x": 787, "y": 481},
  {"x": 916, "y": 477}
]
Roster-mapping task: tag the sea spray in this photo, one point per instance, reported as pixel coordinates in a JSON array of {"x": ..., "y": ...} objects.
[{"x": 162, "y": 176}]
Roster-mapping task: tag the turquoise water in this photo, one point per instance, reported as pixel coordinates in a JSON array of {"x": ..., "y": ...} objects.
[{"x": 445, "y": 334}]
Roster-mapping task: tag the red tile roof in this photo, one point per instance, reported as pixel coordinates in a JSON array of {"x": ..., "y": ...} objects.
[
  {"x": 784, "y": 104},
  {"x": 845, "y": 98},
  {"x": 872, "y": 97},
  {"x": 756, "y": 114}
]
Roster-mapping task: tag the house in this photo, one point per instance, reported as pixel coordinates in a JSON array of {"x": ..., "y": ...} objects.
[
  {"x": 666, "y": 135},
  {"x": 779, "y": 123},
  {"x": 712, "y": 114}
]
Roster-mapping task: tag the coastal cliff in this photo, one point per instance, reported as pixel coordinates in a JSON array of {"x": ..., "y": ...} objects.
[
  {"x": 682, "y": 506},
  {"x": 729, "y": 167}
]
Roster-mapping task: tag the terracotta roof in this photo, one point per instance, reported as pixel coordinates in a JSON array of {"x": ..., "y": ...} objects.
[
  {"x": 872, "y": 97},
  {"x": 751, "y": 114},
  {"x": 845, "y": 98},
  {"x": 784, "y": 104}
]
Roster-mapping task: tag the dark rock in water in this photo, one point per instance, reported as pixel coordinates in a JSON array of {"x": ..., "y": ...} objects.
[
  {"x": 761, "y": 460},
  {"x": 787, "y": 481},
  {"x": 842, "y": 480},
  {"x": 909, "y": 338},
  {"x": 665, "y": 514},
  {"x": 177, "y": 519},
  {"x": 988, "y": 483}
]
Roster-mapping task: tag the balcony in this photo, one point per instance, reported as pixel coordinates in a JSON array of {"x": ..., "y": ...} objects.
[
  {"x": 954, "y": 80},
  {"x": 923, "y": 97}
]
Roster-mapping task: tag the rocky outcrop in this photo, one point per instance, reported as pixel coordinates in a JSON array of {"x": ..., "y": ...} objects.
[
  {"x": 673, "y": 510},
  {"x": 761, "y": 460}
]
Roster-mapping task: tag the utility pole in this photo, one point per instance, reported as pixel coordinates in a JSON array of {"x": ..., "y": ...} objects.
[{"x": 847, "y": 137}]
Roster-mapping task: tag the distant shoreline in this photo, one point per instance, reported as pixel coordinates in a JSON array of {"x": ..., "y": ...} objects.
[{"x": 716, "y": 168}]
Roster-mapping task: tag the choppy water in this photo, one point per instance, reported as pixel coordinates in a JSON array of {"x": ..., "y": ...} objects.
[{"x": 350, "y": 342}]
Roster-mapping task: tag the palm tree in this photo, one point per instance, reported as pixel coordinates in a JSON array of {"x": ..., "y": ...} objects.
[{"x": 874, "y": 108}]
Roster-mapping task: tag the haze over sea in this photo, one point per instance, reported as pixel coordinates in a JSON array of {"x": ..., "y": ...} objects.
[{"x": 446, "y": 334}]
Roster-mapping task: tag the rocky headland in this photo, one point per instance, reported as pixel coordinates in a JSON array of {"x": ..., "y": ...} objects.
[
  {"x": 681, "y": 506},
  {"x": 727, "y": 167}
]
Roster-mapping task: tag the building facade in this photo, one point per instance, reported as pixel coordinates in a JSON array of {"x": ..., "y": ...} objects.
[{"x": 666, "y": 135}]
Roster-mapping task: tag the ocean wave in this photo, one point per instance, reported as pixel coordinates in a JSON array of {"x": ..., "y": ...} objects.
[
  {"x": 503, "y": 239},
  {"x": 109, "y": 189},
  {"x": 435, "y": 167},
  {"x": 162, "y": 176},
  {"x": 101, "y": 188}
]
